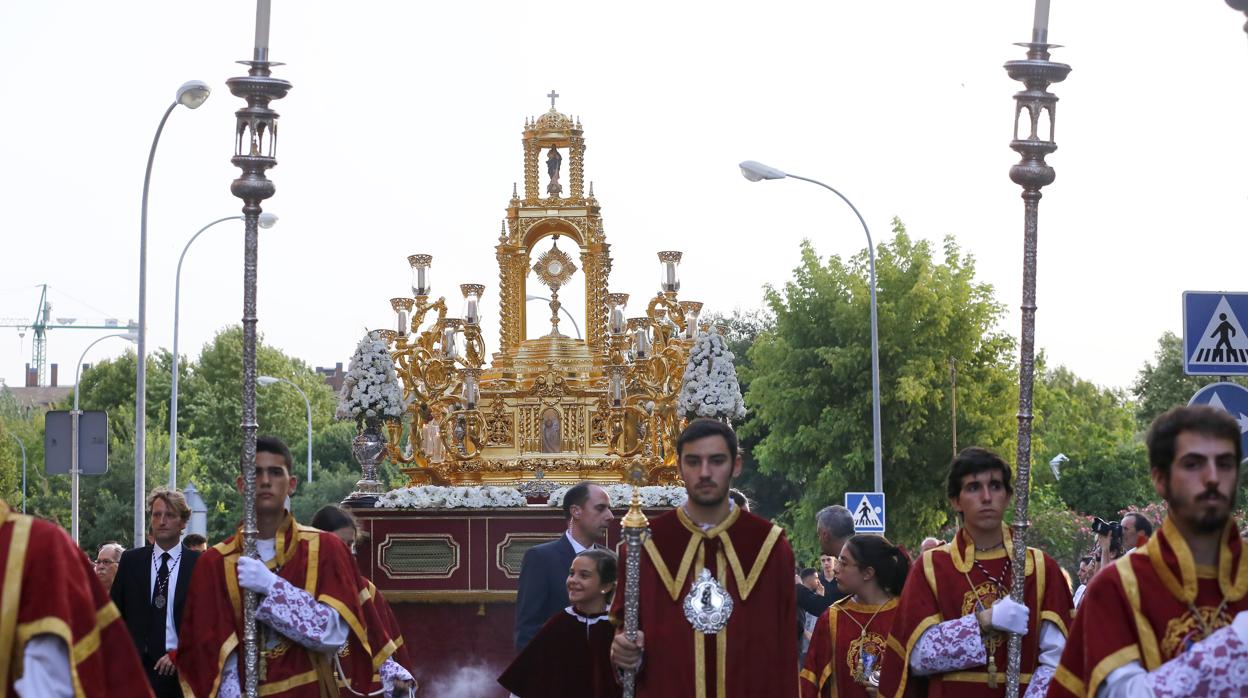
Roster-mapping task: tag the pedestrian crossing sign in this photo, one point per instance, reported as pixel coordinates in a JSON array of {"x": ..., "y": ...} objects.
[
  {"x": 867, "y": 508},
  {"x": 1214, "y": 339}
]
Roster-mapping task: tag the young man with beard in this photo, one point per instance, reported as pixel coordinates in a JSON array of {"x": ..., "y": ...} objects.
[
  {"x": 949, "y": 636},
  {"x": 1171, "y": 618},
  {"x": 699, "y": 557},
  {"x": 312, "y": 603}
]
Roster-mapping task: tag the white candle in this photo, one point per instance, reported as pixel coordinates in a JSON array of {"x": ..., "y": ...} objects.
[
  {"x": 262, "y": 23},
  {"x": 470, "y": 313},
  {"x": 403, "y": 323},
  {"x": 1040, "y": 26}
]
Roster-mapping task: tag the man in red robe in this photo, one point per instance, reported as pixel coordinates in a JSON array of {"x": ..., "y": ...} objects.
[
  {"x": 312, "y": 604},
  {"x": 60, "y": 635},
  {"x": 1171, "y": 618},
  {"x": 736, "y": 554},
  {"x": 950, "y": 633}
]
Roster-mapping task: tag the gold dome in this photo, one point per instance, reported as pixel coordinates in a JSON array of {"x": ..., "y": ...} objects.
[{"x": 552, "y": 121}]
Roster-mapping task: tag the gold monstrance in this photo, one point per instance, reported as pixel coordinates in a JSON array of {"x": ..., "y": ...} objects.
[{"x": 553, "y": 409}]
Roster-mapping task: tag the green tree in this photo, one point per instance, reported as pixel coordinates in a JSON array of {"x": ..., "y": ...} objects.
[
  {"x": 810, "y": 385},
  {"x": 1161, "y": 384}
]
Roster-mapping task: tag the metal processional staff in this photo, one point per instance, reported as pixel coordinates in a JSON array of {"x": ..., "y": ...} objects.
[
  {"x": 634, "y": 526},
  {"x": 255, "y": 151}
]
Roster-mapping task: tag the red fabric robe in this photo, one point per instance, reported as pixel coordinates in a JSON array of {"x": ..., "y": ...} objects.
[
  {"x": 1138, "y": 609},
  {"x": 938, "y": 590},
  {"x": 315, "y": 561},
  {"x": 376, "y": 610},
  {"x": 47, "y": 587},
  {"x": 835, "y": 654},
  {"x": 755, "y": 655},
  {"x": 567, "y": 658}
]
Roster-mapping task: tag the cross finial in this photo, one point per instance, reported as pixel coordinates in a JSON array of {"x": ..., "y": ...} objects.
[{"x": 553, "y": 96}]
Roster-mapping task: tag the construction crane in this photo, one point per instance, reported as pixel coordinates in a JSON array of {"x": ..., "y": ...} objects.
[{"x": 44, "y": 321}]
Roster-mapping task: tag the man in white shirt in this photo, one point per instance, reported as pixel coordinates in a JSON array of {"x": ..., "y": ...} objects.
[{"x": 150, "y": 589}]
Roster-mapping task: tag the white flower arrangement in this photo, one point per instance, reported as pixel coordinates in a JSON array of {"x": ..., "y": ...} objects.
[
  {"x": 370, "y": 390},
  {"x": 434, "y": 497},
  {"x": 621, "y": 495},
  {"x": 710, "y": 387}
]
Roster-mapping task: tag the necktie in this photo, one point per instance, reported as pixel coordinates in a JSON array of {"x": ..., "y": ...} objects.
[{"x": 160, "y": 599}]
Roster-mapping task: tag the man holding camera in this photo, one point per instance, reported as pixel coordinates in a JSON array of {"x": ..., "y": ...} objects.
[
  {"x": 1118, "y": 538},
  {"x": 1171, "y": 619}
]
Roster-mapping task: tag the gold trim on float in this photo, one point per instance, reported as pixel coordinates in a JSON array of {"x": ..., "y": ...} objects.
[
  {"x": 456, "y": 563},
  {"x": 451, "y": 597}
]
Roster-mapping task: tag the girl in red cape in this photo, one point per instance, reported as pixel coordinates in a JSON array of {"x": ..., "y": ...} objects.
[{"x": 570, "y": 656}]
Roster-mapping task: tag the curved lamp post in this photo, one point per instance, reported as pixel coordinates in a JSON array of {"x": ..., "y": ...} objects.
[
  {"x": 270, "y": 380},
  {"x": 267, "y": 220},
  {"x": 531, "y": 297},
  {"x": 73, "y": 439},
  {"x": 756, "y": 171},
  {"x": 23, "y": 447},
  {"x": 190, "y": 95}
]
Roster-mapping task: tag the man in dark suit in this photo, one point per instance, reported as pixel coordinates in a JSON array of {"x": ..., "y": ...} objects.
[
  {"x": 835, "y": 525},
  {"x": 150, "y": 589},
  {"x": 544, "y": 570}
]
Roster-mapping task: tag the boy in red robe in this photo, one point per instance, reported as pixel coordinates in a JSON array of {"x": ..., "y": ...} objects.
[
  {"x": 1171, "y": 618},
  {"x": 312, "y": 604},
  {"x": 736, "y": 554},
  {"x": 60, "y": 635},
  {"x": 950, "y": 633}
]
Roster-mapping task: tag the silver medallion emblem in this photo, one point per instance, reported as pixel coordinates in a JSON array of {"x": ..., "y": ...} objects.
[
  {"x": 159, "y": 601},
  {"x": 708, "y": 605}
]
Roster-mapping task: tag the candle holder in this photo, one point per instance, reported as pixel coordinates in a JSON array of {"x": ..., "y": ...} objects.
[
  {"x": 402, "y": 312},
  {"x": 669, "y": 282},
  {"x": 420, "y": 274}
]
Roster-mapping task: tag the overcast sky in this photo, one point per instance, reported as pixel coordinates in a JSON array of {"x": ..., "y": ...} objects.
[{"x": 402, "y": 135}]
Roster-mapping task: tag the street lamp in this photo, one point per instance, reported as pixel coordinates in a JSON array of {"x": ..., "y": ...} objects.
[
  {"x": 23, "y": 447},
  {"x": 756, "y": 171},
  {"x": 267, "y": 220},
  {"x": 531, "y": 297},
  {"x": 270, "y": 380},
  {"x": 73, "y": 439},
  {"x": 190, "y": 95}
]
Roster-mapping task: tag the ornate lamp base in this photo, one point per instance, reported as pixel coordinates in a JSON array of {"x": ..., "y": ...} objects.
[{"x": 369, "y": 448}]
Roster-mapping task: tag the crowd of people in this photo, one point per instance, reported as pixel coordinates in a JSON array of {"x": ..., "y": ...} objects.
[{"x": 1161, "y": 610}]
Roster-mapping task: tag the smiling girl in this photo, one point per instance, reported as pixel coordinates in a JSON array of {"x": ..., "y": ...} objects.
[
  {"x": 569, "y": 656},
  {"x": 848, "y": 641}
]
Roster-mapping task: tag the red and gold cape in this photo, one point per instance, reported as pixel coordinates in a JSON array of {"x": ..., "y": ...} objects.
[
  {"x": 49, "y": 588},
  {"x": 1141, "y": 608},
  {"x": 756, "y": 654},
  {"x": 834, "y": 658},
  {"x": 943, "y": 585},
  {"x": 313, "y": 560}
]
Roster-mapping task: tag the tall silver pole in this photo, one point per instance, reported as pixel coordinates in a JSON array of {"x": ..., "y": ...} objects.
[
  {"x": 173, "y": 394},
  {"x": 876, "y": 441},
  {"x": 23, "y": 447},
  {"x": 254, "y": 153},
  {"x": 633, "y": 526},
  {"x": 140, "y": 380},
  {"x": 1033, "y": 143}
]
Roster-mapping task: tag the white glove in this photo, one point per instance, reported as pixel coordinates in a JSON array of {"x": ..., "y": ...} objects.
[
  {"x": 1010, "y": 616},
  {"x": 254, "y": 576},
  {"x": 1240, "y": 624}
]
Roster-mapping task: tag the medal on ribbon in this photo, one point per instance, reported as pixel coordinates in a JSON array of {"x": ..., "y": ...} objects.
[{"x": 708, "y": 604}]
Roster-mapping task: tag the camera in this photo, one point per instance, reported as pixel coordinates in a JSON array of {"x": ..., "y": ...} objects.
[{"x": 1113, "y": 529}]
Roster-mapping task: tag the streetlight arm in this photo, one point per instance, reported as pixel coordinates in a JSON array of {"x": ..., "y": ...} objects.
[
  {"x": 83, "y": 357},
  {"x": 269, "y": 380}
]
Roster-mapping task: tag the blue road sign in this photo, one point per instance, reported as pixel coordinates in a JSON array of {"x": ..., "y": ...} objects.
[
  {"x": 1230, "y": 397},
  {"x": 1214, "y": 340},
  {"x": 867, "y": 509}
]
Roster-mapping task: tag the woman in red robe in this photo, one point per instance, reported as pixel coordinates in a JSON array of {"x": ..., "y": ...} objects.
[
  {"x": 848, "y": 641},
  {"x": 570, "y": 656}
]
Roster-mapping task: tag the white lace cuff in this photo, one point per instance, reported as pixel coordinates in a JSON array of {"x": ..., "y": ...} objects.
[
  {"x": 1039, "y": 684},
  {"x": 1215, "y": 666},
  {"x": 293, "y": 612},
  {"x": 392, "y": 671},
  {"x": 950, "y": 646},
  {"x": 230, "y": 684}
]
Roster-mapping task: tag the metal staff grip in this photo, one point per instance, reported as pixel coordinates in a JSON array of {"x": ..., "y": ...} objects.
[{"x": 633, "y": 526}]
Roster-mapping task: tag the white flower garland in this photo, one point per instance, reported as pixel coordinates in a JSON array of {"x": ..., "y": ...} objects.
[
  {"x": 434, "y": 497},
  {"x": 371, "y": 388},
  {"x": 622, "y": 495},
  {"x": 710, "y": 387}
]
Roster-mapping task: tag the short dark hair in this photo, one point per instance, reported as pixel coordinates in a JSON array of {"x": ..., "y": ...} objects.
[
  {"x": 193, "y": 539},
  {"x": 605, "y": 563},
  {"x": 889, "y": 561},
  {"x": 703, "y": 427},
  {"x": 332, "y": 517},
  {"x": 973, "y": 461},
  {"x": 1202, "y": 419},
  {"x": 1142, "y": 524},
  {"x": 806, "y": 572},
  {"x": 576, "y": 496},
  {"x": 274, "y": 445}
]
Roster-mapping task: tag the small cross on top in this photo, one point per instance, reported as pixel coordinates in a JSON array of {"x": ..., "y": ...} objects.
[{"x": 553, "y": 96}]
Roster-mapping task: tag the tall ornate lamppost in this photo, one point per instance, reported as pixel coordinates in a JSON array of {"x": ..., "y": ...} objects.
[
  {"x": 1036, "y": 72},
  {"x": 255, "y": 151}
]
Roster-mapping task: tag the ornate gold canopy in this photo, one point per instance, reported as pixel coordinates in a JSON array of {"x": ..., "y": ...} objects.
[{"x": 553, "y": 409}]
